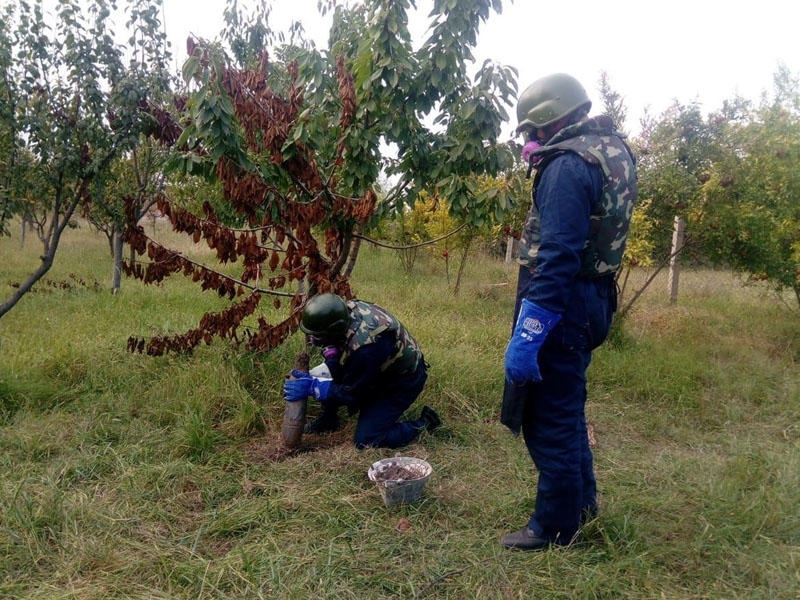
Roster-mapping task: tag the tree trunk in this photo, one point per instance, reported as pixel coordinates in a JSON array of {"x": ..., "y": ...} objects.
[
  {"x": 25, "y": 286},
  {"x": 116, "y": 277},
  {"x": 50, "y": 241},
  {"x": 355, "y": 246}
]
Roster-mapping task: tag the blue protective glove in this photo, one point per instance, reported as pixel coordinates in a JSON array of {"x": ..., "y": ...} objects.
[
  {"x": 304, "y": 385},
  {"x": 533, "y": 325},
  {"x": 298, "y": 388}
]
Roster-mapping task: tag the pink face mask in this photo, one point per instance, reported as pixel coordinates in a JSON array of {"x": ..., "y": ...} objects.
[
  {"x": 527, "y": 149},
  {"x": 330, "y": 352}
]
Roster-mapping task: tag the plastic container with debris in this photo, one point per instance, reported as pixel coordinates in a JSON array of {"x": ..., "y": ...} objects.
[{"x": 400, "y": 480}]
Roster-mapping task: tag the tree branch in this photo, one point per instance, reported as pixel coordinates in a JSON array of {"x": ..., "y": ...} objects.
[
  {"x": 223, "y": 275},
  {"x": 412, "y": 246}
]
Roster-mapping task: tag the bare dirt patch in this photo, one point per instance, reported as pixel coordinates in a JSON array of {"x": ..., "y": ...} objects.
[{"x": 271, "y": 447}]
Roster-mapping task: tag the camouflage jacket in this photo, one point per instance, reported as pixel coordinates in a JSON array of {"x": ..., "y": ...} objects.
[
  {"x": 596, "y": 142},
  {"x": 367, "y": 322}
]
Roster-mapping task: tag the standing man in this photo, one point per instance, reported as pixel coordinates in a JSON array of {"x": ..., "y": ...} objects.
[
  {"x": 584, "y": 190},
  {"x": 376, "y": 368}
]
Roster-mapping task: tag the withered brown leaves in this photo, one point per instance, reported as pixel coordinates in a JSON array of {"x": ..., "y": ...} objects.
[{"x": 278, "y": 250}]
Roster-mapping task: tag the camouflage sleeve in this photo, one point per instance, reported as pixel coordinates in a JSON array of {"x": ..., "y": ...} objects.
[{"x": 530, "y": 238}]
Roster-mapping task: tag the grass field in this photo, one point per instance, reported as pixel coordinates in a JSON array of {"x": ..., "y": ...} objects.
[{"x": 127, "y": 476}]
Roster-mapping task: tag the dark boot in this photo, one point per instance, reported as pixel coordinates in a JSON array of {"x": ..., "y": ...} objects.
[
  {"x": 327, "y": 421},
  {"x": 430, "y": 418},
  {"x": 524, "y": 539}
]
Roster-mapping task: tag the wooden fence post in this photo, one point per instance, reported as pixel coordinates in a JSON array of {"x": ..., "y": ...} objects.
[
  {"x": 509, "y": 248},
  {"x": 674, "y": 270}
]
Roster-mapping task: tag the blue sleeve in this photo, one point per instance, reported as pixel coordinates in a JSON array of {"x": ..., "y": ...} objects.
[
  {"x": 568, "y": 189},
  {"x": 354, "y": 380}
]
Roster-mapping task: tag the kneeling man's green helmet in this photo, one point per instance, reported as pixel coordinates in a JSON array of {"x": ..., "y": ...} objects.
[{"x": 325, "y": 316}]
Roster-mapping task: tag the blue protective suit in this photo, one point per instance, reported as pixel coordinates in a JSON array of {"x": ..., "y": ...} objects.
[
  {"x": 380, "y": 397},
  {"x": 552, "y": 415}
]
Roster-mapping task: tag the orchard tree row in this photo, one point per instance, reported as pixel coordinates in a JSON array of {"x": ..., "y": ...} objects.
[
  {"x": 284, "y": 158},
  {"x": 732, "y": 175}
]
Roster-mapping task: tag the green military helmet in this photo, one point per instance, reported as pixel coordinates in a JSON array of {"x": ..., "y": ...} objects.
[
  {"x": 548, "y": 99},
  {"x": 325, "y": 317}
]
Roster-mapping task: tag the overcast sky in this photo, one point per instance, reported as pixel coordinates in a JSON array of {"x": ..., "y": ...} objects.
[{"x": 653, "y": 51}]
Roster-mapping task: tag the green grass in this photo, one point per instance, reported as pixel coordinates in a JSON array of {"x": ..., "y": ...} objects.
[{"x": 127, "y": 476}]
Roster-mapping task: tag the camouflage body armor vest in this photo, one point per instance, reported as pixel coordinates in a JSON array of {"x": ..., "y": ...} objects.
[
  {"x": 367, "y": 322},
  {"x": 596, "y": 142}
]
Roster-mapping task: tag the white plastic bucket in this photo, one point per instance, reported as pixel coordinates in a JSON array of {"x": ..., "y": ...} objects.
[{"x": 401, "y": 479}]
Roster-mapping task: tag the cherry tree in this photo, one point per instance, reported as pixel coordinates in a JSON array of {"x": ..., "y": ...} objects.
[{"x": 297, "y": 137}]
